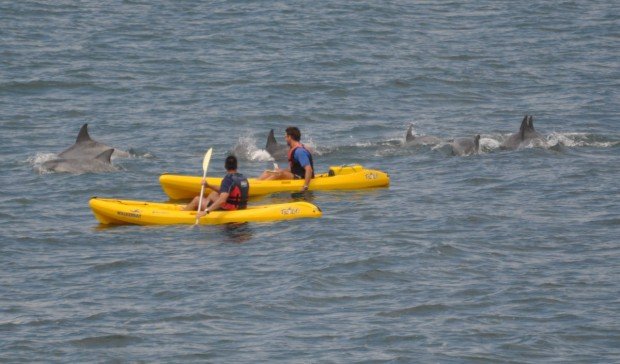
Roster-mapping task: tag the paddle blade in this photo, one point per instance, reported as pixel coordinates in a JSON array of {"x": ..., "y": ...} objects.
[{"x": 205, "y": 161}]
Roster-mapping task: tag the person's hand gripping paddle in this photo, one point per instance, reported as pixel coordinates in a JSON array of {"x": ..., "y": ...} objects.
[{"x": 205, "y": 166}]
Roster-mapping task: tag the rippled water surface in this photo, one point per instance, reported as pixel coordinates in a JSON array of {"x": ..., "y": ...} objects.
[{"x": 504, "y": 256}]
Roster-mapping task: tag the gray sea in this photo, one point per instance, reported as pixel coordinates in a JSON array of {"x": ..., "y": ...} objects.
[{"x": 503, "y": 256}]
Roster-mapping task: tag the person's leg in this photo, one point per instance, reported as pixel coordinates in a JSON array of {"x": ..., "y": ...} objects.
[
  {"x": 213, "y": 196},
  {"x": 265, "y": 175},
  {"x": 276, "y": 175},
  {"x": 193, "y": 205},
  {"x": 284, "y": 174}
]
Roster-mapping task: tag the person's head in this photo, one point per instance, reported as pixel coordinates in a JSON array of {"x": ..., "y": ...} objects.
[
  {"x": 292, "y": 132},
  {"x": 231, "y": 163}
]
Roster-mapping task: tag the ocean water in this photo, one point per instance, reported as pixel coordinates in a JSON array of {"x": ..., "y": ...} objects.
[{"x": 504, "y": 256}]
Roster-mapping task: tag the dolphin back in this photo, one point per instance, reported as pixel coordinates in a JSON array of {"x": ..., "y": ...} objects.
[
  {"x": 84, "y": 147},
  {"x": 531, "y": 133},
  {"x": 466, "y": 146},
  {"x": 526, "y": 134}
]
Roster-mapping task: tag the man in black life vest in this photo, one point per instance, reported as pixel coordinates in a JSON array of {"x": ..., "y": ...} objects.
[
  {"x": 300, "y": 161},
  {"x": 232, "y": 194}
]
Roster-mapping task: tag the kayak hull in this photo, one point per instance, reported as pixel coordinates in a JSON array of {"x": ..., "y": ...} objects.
[
  {"x": 339, "y": 178},
  {"x": 122, "y": 212}
]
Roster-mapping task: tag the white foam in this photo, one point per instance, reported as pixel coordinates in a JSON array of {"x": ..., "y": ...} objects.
[
  {"x": 562, "y": 139},
  {"x": 118, "y": 153},
  {"x": 441, "y": 145},
  {"x": 308, "y": 142},
  {"x": 246, "y": 148},
  {"x": 577, "y": 140},
  {"x": 489, "y": 143},
  {"x": 40, "y": 158},
  {"x": 363, "y": 144},
  {"x": 261, "y": 155},
  {"x": 535, "y": 143}
]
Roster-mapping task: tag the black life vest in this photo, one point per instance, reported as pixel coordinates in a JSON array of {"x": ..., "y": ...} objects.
[
  {"x": 295, "y": 166},
  {"x": 239, "y": 191}
]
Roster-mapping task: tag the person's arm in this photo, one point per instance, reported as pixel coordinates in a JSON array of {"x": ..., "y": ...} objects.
[
  {"x": 207, "y": 185},
  {"x": 303, "y": 159},
  {"x": 220, "y": 200},
  {"x": 308, "y": 177}
]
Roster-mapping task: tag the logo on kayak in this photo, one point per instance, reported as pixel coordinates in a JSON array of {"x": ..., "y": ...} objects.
[
  {"x": 371, "y": 175},
  {"x": 133, "y": 213},
  {"x": 290, "y": 211}
]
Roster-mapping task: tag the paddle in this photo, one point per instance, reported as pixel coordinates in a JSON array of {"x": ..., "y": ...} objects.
[{"x": 205, "y": 166}]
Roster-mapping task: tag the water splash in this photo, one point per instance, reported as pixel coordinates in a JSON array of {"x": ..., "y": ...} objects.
[
  {"x": 551, "y": 141},
  {"x": 37, "y": 161},
  {"x": 134, "y": 153},
  {"x": 489, "y": 144},
  {"x": 246, "y": 148},
  {"x": 40, "y": 158},
  {"x": 580, "y": 140}
]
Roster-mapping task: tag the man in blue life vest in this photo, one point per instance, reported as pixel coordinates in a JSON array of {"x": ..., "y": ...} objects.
[
  {"x": 300, "y": 161},
  {"x": 232, "y": 194}
]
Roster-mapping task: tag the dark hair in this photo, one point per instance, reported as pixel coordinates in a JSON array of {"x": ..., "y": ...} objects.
[
  {"x": 294, "y": 133},
  {"x": 231, "y": 163}
]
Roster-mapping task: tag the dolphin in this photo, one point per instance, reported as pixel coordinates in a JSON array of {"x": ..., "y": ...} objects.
[
  {"x": 101, "y": 163},
  {"x": 276, "y": 150},
  {"x": 525, "y": 135},
  {"x": 466, "y": 146},
  {"x": 420, "y": 140},
  {"x": 87, "y": 148}
]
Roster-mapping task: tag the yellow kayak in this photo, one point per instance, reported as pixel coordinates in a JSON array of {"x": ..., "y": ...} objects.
[
  {"x": 350, "y": 177},
  {"x": 114, "y": 211}
]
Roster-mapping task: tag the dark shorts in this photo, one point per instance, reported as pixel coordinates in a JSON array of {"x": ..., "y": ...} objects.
[
  {"x": 225, "y": 207},
  {"x": 297, "y": 177}
]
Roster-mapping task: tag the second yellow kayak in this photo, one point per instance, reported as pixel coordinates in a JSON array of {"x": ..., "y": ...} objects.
[
  {"x": 350, "y": 177},
  {"x": 114, "y": 211}
]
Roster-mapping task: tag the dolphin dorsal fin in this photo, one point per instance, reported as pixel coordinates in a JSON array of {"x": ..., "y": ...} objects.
[
  {"x": 409, "y": 135},
  {"x": 271, "y": 140},
  {"x": 523, "y": 127},
  {"x": 105, "y": 156},
  {"x": 477, "y": 142},
  {"x": 530, "y": 122},
  {"x": 83, "y": 134}
]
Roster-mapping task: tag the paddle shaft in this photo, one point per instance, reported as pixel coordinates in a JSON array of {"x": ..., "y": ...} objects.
[{"x": 205, "y": 166}]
